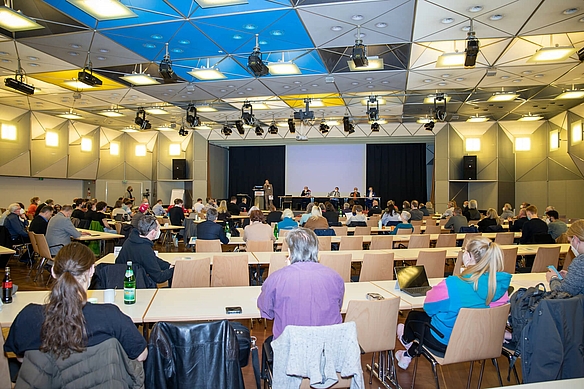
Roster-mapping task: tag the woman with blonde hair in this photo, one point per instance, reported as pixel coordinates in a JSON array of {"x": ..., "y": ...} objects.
[
  {"x": 482, "y": 284},
  {"x": 222, "y": 213},
  {"x": 572, "y": 278},
  {"x": 489, "y": 222},
  {"x": 316, "y": 221}
]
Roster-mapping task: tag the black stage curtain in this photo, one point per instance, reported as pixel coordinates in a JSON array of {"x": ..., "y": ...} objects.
[
  {"x": 397, "y": 172},
  {"x": 252, "y": 165}
]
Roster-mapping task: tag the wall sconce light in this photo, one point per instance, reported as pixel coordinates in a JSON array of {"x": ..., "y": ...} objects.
[
  {"x": 51, "y": 139},
  {"x": 473, "y": 144},
  {"x": 576, "y": 132},
  {"x": 86, "y": 144},
  {"x": 554, "y": 140},
  {"x": 114, "y": 148},
  {"x": 8, "y": 132},
  {"x": 522, "y": 144},
  {"x": 174, "y": 149},
  {"x": 140, "y": 150}
]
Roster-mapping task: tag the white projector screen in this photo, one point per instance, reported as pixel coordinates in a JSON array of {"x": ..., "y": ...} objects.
[{"x": 322, "y": 167}]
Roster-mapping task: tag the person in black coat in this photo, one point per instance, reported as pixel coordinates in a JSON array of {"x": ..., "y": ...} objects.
[
  {"x": 533, "y": 226},
  {"x": 232, "y": 207},
  {"x": 138, "y": 248},
  {"x": 39, "y": 224},
  {"x": 209, "y": 230}
]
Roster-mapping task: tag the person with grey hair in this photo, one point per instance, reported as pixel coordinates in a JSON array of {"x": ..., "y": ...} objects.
[
  {"x": 138, "y": 248},
  {"x": 472, "y": 213},
  {"x": 210, "y": 230},
  {"x": 304, "y": 293},
  {"x": 404, "y": 224},
  {"x": 60, "y": 230},
  {"x": 288, "y": 222}
]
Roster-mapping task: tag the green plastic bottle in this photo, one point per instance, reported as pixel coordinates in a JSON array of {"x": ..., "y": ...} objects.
[{"x": 129, "y": 285}]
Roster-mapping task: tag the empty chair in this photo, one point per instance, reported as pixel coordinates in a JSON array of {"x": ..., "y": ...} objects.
[
  {"x": 324, "y": 243},
  {"x": 192, "y": 273},
  {"x": 208, "y": 246},
  {"x": 404, "y": 231},
  {"x": 340, "y": 230},
  {"x": 230, "y": 270},
  {"x": 442, "y": 222},
  {"x": 509, "y": 259},
  {"x": 362, "y": 230},
  {"x": 446, "y": 240},
  {"x": 373, "y": 221},
  {"x": 376, "y": 267},
  {"x": 416, "y": 222},
  {"x": 544, "y": 257},
  {"x": 419, "y": 241},
  {"x": 417, "y": 229},
  {"x": 341, "y": 263},
  {"x": 259, "y": 246},
  {"x": 433, "y": 262},
  {"x": 468, "y": 236},
  {"x": 433, "y": 229},
  {"x": 381, "y": 242},
  {"x": 504, "y": 238},
  {"x": 277, "y": 261},
  {"x": 351, "y": 243},
  {"x": 44, "y": 253},
  {"x": 458, "y": 263}
]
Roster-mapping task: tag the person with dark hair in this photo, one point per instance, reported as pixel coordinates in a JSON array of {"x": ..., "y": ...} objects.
[
  {"x": 456, "y": 221},
  {"x": 232, "y": 207},
  {"x": 517, "y": 225},
  {"x": 556, "y": 227},
  {"x": 533, "y": 226},
  {"x": 41, "y": 205},
  {"x": 176, "y": 214},
  {"x": 100, "y": 216},
  {"x": 79, "y": 209},
  {"x": 374, "y": 210},
  {"x": 39, "y": 224},
  {"x": 415, "y": 212},
  {"x": 357, "y": 217},
  {"x": 198, "y": 207},
  {"x": 572, "y": 281},
  {"x": 130, "y": 194},
  {"x": 68, "y": 323},
  {"x": 138, "y": 248},
  {"x": 268, "y": 194},
  {"x": 158, "y": 209},
  {"x": 257, "y": 230},
  {"x": 274, "y": 216},
  {"x": 243, "y": 206},
  {"x": 34, "y": 202},
  {"x": 60, "y": 230},
  {"x": 304, "y": 293},
  {"x": 210, "y": 230},
  {"x": 331, "y": 214}
]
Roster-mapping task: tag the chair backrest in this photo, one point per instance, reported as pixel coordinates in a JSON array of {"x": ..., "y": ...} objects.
[
  {"x": 43, "y": 246},
  {"x": 376, "y": 322},
  {"x": 351, "y": 243},
  {"x": 544, "y": 257},
  {"x": 419, "y": 241},
  {"x": 4, "y": 370},
  {"x": 192, "y": 273},
  {"x": 373, "y": 222},
  {"x": 504, "y": 238},
  {"x": 446, "y": 240},
  {"x": 208, "y": 246},
  {"x": 283, "y": 233},
  {"x": 404, "y": 231},
  {"x": 433, "y": 262},
  {"x": 416, "y": 222},
  {"x": 568, "y": 260},
  {"x": 263, "y": 246},
  {"x": 362, "y": 230},
  {"x": 230, "y": 270},
  {"x": 433, "y": 229},
  {"x": 468, "y": 236},
  {"x": 509, "y": 259},
  {"x": 483, "y": 328},
  {"x": 442, "y": 222},
  {"x": 118, "y": 227},
  {"x": 285, "y": 246},
  {"x": 164, "y": 220},
  {"x": 340, "y": 231},
  {"x": 324, "y": 243},
  {"x": 458, "y": 263},
  {"x": 277, "y": 261},
  {"x": 33, "y": 243},
  {"x": 376, "y": 267},
  {"x": 417, "y": 229},
  {"x": 381, "y": 242},
  {"x": 341, "y": 263}
]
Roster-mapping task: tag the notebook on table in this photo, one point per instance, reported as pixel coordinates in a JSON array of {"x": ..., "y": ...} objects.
[{"x": 412, "y": 280}]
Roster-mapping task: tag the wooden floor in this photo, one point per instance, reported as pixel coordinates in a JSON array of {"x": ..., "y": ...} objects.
[{"x": 454, "y": 376}]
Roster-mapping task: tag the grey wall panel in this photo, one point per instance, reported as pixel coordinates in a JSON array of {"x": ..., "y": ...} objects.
[{"x": 49, "y": 161}]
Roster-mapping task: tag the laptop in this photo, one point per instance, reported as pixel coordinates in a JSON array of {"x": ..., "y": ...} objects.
[{"x": 412, "y": 280}]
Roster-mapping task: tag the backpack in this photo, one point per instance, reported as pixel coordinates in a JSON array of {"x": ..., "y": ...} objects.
[{"x": 470, "y": 229}]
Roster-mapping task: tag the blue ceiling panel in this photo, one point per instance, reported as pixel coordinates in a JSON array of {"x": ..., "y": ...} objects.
[
  {"x": 184, "y": 7},
  {"x": 190, "y": 42},
  {"x": 251, "y": 6},
  {"x": 311, "y": 63}
]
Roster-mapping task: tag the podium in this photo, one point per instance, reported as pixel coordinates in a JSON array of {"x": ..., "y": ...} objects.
[{"x": 258, "y": 195}]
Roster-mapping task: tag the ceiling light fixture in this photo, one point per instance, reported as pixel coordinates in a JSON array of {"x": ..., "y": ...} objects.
[
  {"x": 207, "y": 73},
  {"x": 440, "y": 111},
  {"x": 431, "y": 98},
  {"x": 206, "y": 108},
  {"x": 323, "y": 128},
  {"x": 255, "y": 62},
  {"x": 447, "y": 60},
  {"x": 156, "y": 111},
  {"x": 305, "y": 115},
  {"x": 182, "y": 131},
  {"x": 552, "y": 54},
  {"x": 375, "y": 127},
  {"x": 375, "y": 63},
  {"x": 503, "y": 96},
  {"x": 18, "y": 82},
  {"x": 424, "y": 120},
  {"x": 530, "y": 118},
  {"x": 372, "y": 112},
  {"x": 192, "y": 119},
  {"x": 380, "y": 101},
  {"x": 571, "y": 94},
  {"x": 139, "y": 78},
  {"x": 104, "y": 9},
  {"x": 70, "y": 115},
  {"x": 259, "y": 131},
  {"x": 165, "y": 68},
  {"x": 477, "y": 119},
  {"x": 219, "y": 3},
  {"x": 226, "y": 130},
  {"x": 111, "y": 113},
  {"x": 273, "y": 129},
  {"x": 283, "y": 67},
  {"x": 429, "y": 126},
  {"x": 15, "y": 21}
]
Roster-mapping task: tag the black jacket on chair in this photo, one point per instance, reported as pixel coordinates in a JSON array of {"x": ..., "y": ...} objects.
[
  {"x": 209, "y": 230},
  {"x": 111, "y": 276},
  {"x": 194, "y": 356}
]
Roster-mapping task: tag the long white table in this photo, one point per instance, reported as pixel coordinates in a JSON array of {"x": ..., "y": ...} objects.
[{"x": 172, "y": 257}]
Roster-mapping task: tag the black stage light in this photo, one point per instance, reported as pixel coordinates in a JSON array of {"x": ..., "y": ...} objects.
[
  {"x": 375, "y": 127},
  {"x": 192, "y": 119},
  {"x": 323, "y": 128},
  {"x": 165, "y": 69},
  {"x": 305, "y": 115},
  {"x": 273, "y": 129},
  {"x": 247, "y": 114},
  {"x": 347, "y": 125},
  {"x": 429, "y": 126},
  {"x": 259, "y": 131},
  {"x": 239, "y": 126},
  {"x": 440, "y": 112},
  {"x": 88, "y": 78},
  {"x": 182, "y": 131},
  {"x": 255, "y": 62},
  {"x": 226, "y": 130},
  {"x": 19, "y": 85},
  {"x": 291, "y": 126},
  {"x": 472, "y": 49},
  {"x": 141, "y": 121},
  {"x": 373, "y": 112},
  {"x": 359, "y": 55}
]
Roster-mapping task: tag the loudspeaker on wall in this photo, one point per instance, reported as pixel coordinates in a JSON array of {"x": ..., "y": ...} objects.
[
  {"x": 179, "y": 169},
  {"x": 470, "y": 167}
]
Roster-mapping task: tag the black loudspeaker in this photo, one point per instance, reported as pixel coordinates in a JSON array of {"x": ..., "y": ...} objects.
[
  {"x": 179, "y": 169},
  {"x": 470, "y": 167}
]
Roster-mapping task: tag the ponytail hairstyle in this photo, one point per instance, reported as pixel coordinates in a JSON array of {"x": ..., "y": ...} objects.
[
  {"x": 63, "y": 330},
  {"x": 489, "y": 259}
]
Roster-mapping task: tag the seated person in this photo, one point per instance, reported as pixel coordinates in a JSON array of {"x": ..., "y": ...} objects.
[
  {"x": 450, "y": 210},
  {"x": 257, "y": 230},
  {"x": 573, "y": 277},
  {"x": 138, "y": 248},
  {"x": 80, "y": 209},
  {"x": 533, "y": 226},
  {"x": 483, "y": 284},
  {"x": 456, "y": 221},
  {"x": 347, "y": 209},
  {"x": 374, "y": 210},
  {"x": 198, "y": 207},
  {"x": 176, "y": 214},
  {"x": 304, "y": 293},
  {"x": 60, "y": 230},
  {"x": 331, "y": 214},
  {"x": 100, "y": 216},
  {"x": 15, "y": 223},
  {"x": 157, "y": 209},
  {"x": 210, "y": 230},
  {"x": 405, "y": 223},
  {"x": 406, "y": 206},
  {"x": 472, "y": 213},
  {"x": 358, "y": 217},
  {"x": 223, "y": 214},
  {"x": 232, "y": 207},
  {"x": 119, "y": 211},
  {"x": 274, "y": 216},
  {"x": 415, "y": 212},
  {"x": 39, "y": 224},
  {"x": 80, "y": 323},
  {"x": 429, "y": 207},
  {"x": 517, "y": 225},
  {"x": 490, "y": 221},
  {"x": 507, "y": 212},
  {"x": 307, "y": 215},
  {"x": 556, "y": 227},
  {"x": 243, "y": 206},
  {"x": 316, "y": 221},
  {"x": 390, "y": 217},
  {"x": 288, "y": 222}
]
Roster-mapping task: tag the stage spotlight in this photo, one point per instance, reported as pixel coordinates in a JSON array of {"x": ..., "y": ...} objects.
[
  {"x": 226, "y": 130},
  {"x": 192, "y": 119},
  {"x": 359, "y": 54},
  {"x": 472, "y": 49},
  {"x": 440, "y": 112},
  {"x": 373, "y": 112},
  {"x": 165, "y": 69},
  {"x": 247, "y": 114},
  {"x": 259, "y": 131},
  {"x": 88, "y": 78},
  {"x": 429, "y": 126},
  {"x": 18, "y": 84},
  {"x": 255, "y": 62},
  {"x": 291, "y": 126},
  {"x": 323, "y": 128},
  {"x": 182, "y": 131},
  {"x": 273, "y": 129},
  {"x": 305, "y": 115},
  {"x": 347, "y": 125},
  {"x": 239, "y": 126},
  {"x": 141, "y": 121},
  {"x": 375, "y": 127}
]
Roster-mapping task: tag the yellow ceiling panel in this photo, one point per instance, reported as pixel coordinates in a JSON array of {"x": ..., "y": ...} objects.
[
  {"x": 67, "y": 79},
  {"x": 327, "y": 99}
]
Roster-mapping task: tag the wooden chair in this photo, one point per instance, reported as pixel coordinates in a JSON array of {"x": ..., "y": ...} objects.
[
  {"x": 230, "y": 270},
  {"x": 340, "y": 230},
  {"x": 263, "y": 246},
  {"x": 446, "y": 240},
  {"x": 373, "y": 221},
  {"x": 417, "y": 229},
  {"x": 341, "y": 263},
  {"x": 284, "y": 248},
  {"x": 33, "y": 243},
  {"x": 362, "y": 231},
  {"x": 208, "y": 246},
  {"x": 433, "y": 262},
  {"x": 381, "y": 242},
  {"x": 544, "y": 257},
  {"x": 277, "y": 261},
  {"x": 283, "y": 233},
  {"x": 504, "y": 238},
  {"x": 376, "y": 267},
  {"x": 484, "y": 329},
  {"x": 376, "y": 322},
  {"x": 416, "y": 222},
  {"x": 324, "y": 243},
  {"x": 468, "y": 236},
  {"x": 433, "y": 229},
  {"x": 419, "y": 241},
  {"x": 192, "y": 273},
  {"x": 403, "y": 231},
  {"x": 509, "y": 259},
  {"x": 442, "y": 222},
  {"x": 568, "y": 260},
  {"x": 5, "y": 382},
  {"x": 44, "y": 253},
  {"x": 458, "y": 263},
  {"x": 351, "y": 243}
]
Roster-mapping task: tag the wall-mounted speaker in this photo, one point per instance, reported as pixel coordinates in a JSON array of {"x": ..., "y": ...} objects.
[
  {"x": 470, "y": 167},
  {"x": 179, "y": 169}
]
